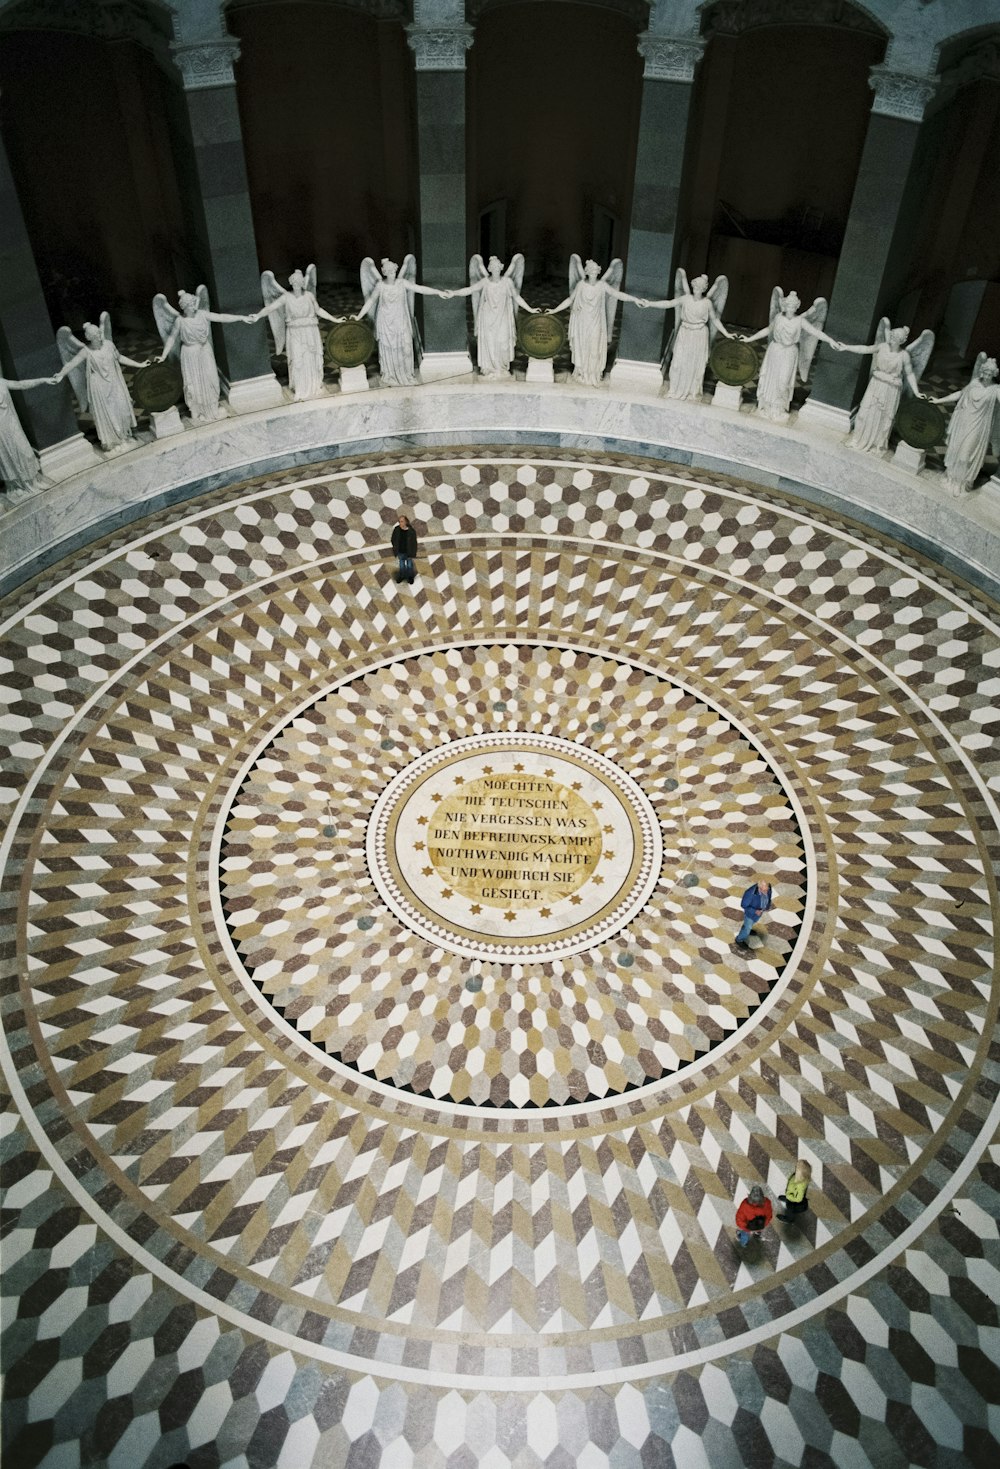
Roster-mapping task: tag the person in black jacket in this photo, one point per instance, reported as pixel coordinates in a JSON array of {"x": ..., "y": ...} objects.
[{"x": 404, "y": 544}]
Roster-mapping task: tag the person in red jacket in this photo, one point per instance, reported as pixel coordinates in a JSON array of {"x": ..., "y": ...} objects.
[{"x": 753, "y": 1216}]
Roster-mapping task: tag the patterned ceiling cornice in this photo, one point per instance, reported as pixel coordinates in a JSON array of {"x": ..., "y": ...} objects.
[
  {"x": 106, "y": 20},
  {"x": 733, "y": 17}
]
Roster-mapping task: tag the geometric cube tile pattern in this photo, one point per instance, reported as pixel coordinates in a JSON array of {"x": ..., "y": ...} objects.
[{"x": 266, "y": 1208}]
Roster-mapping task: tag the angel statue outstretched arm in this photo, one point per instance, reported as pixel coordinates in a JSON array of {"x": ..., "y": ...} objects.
[
  {"x": 80, "y": 358},
  {"x": 480, "y": 277},
  {"x": 861, "y": 349},
  {"x": 890, "y": 342},
  {"x": 590, "y": 274},
  {"x": 22, "y": 385},
  {"x": 76, "y": 355},
  {"x": 697, "y": 290},
  {"x": 194, "y": 309}
]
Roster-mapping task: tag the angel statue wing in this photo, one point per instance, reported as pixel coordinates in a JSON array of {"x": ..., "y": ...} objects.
[
  {"x": 882, "y": 331},
  {"x": 718, "y": 295},
  {"x": 477, "y": 273},
  {"x": 920, "y": 353},
  {"x": 807, "y": 342},
  {"x": 371, "y": 276},
  {"x": 272, "y": 292},
  {"x": 777, "y": 302},
  {"x": 310, "y": 274},
  {"x": 408, "y": 272},
  {"x": 69, "y": 346},
  {"x": 515, "y": 272},
  {"x": 612, "y": 277},
  {"x": 166, "y": 316},
  {"x": 106, "y": 326},
  {"x": 201, "y": 296},
  {"x": 575, "y": 272}
]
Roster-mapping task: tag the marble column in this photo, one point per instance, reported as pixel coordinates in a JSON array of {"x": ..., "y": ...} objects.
[
  {"x": 858, "y": 296},
  {"x": 663, "y": 120},
  {"x": 439, "y": 55},
  {"x": 221, "y": 209},
  {"x": 28, "y": 345}
]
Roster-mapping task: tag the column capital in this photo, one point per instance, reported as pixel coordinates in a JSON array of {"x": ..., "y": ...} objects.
[
  {"x": 670, "y": 58},
  {"x": 900, "y": 93},
  {"x": 206, "y": 63},
  {"x": 440, "y": 48}
]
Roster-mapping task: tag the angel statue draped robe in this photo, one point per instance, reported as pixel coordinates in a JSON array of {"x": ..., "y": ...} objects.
[
  {"x": 974, "y": 425},
  {"x": 19, "y": 467},
  {"x": 894, "y": 367},
  {"x": 591, "y": 301},
  {"x": 94, "y": 369},
  {"x": 792, "y": 339},
  {"x": 389, "y": 302},
  {"x": 188, "y": 333},
  {"x": 294, "y": 317},
  {"x": 698, "y": 316},
  {"x": 495, "y": 294}
]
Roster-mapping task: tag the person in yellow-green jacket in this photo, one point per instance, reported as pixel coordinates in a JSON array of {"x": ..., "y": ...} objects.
[{"x": 794, "y": 1197}]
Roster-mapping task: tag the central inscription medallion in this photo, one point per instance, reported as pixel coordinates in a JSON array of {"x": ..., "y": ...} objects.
[
  {"x": 509, "y": 846},
  {"x": 512, "y": 842}
]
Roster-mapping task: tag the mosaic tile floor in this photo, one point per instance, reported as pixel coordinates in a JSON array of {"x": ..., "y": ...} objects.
[{"x": 288, "y": 1182}]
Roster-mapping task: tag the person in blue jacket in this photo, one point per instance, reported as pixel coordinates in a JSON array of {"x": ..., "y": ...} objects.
[{"x": 758, "y": 897}]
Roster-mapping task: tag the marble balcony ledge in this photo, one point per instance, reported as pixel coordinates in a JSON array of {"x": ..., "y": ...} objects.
[{"x": 961, "y": 533}]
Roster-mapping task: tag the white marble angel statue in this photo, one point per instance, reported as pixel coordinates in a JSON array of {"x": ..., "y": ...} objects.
[
  {"x": 591, "y": 300},
  {"x": 697, "y": 317},
  {"x": 792, "y": 339},
  {"x": 974, "y": 426},
  {"x": 389, "y": 302},
  {"x": 19, "y": 467},
  {"x": 895, "y": 368},
  {"x": 495, "y": 294},
  {"x": 94, "y": 369},
  {"x": 294, "y": 317},
  {"x": 187, "y": 334}
]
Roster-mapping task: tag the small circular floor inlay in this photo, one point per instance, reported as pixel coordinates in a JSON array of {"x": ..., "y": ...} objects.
[{"x": 514, "y": 846}]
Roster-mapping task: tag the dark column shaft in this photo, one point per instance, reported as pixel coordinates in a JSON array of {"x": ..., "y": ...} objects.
[
  {"x": 27, "y": 336},
  {"x": 443, "y": 262},
  {"x": 858, "y": 293},
  {"x": 652, "y": 236},
  {"x": 221, "y": 208}
]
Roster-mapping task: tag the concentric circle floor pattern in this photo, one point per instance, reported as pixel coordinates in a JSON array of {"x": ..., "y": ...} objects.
[
  {"x": 636, "y": 1004},
  {"x": 250, "y": 1084}
]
